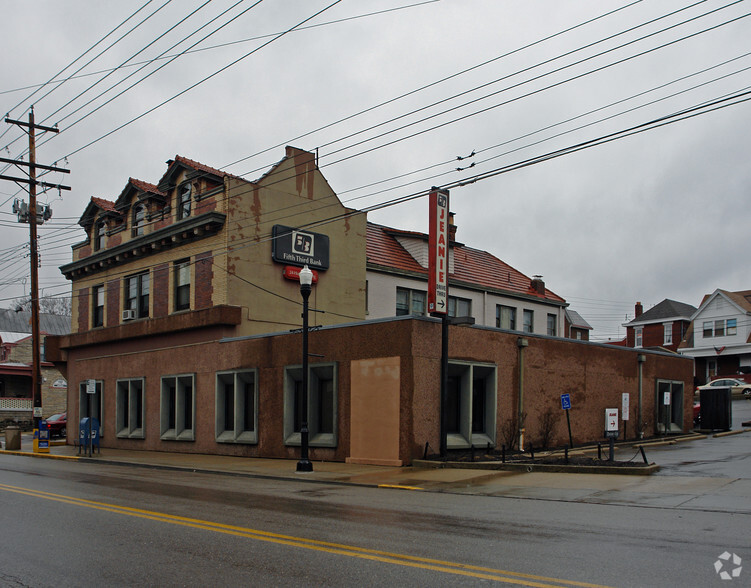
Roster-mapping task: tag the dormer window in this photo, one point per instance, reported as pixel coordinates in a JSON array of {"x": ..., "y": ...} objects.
[
  {"x": 183, "y": 200},
  {"x": 99, "y": 231},
  {"x": 139, "y": 219}
]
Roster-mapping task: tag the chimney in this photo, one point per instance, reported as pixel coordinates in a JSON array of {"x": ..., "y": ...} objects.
[
  {"x": 638, "y": 309},
  {"x": 452, "y": 228},
  {"x": 538, "y": 285}
]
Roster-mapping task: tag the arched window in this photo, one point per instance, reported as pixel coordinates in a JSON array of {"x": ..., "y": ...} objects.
[
  {"x": 139, "y": 218},
  {"x": 99, "y": 231}
]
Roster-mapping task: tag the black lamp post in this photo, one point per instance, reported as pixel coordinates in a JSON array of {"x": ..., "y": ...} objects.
[{"x": 306, "y": 281}]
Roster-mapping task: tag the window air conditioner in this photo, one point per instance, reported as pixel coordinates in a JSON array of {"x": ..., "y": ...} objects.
[{"x": 129, "y": 315}]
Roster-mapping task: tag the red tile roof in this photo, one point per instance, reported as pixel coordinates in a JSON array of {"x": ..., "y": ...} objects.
[
  {"x": 472, "y": 267},
  {"x": 103, "y": 204},
  {"x": 199, "y": 166},
  {"x": 145, "y": 186}
]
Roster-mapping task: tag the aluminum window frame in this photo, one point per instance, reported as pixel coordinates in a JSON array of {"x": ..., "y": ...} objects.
[
  {"x": 317, "y": 373},
  {"x": 127, "y": 394},
  {"x": 239, "y": 433},
  {"x": 174, "y": 427}
]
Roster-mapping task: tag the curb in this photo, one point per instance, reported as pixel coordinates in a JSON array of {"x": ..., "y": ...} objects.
[
  {"x": 635, "y": 470},
  {"x": 190, "y": 469}
]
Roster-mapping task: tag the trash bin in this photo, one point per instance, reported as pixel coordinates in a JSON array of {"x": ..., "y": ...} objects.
[
  {"x": 716, "y": 409},
  {"x": 13, "y": 438}
]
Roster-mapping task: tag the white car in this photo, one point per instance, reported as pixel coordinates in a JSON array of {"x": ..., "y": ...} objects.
[{"x": 736, "y": 386}]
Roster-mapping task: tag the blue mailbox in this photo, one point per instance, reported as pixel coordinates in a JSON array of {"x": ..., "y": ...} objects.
[
  {"x": 42, "y": 438},
  {"x": 88, "y": 435}
]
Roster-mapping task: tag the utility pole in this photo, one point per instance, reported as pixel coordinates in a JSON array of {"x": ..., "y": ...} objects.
[{"x": 34, "y": 215}]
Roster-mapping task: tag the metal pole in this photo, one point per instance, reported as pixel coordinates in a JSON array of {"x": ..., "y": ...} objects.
[
  {"x": 568, "y": 422},
  {"x": 304, "y": 465},
  {"x": 521, "y": 343},
  {"x": 641, "y": 358},
  {"x": 444, "y": 382}
]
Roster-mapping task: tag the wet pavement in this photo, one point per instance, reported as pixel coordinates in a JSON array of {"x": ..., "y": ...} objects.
[{"x": 710, "y": 472}]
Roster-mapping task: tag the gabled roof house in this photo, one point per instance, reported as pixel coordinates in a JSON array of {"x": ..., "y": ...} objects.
[
  {"x": 664, "y": 325},
  {"x": 719, "y": 337}
]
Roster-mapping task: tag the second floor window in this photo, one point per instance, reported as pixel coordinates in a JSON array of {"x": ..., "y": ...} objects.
[
  {"x": 182, "y": 284},
  {"x": 720, "y": 328},
  {"x": 667, "y": 338},
  {"x": 183, "y": 201},
  {"x": 410, "y": 302},
  {"x": 139, "y": 219},
  {"x": 460, "y": 306},
  {"x": 505, "y": 317},
  {"x": 552, "y": 324},
  {"x": 529, "y": 321},
  {"x": 137, "y": 294},
  {"x": 638, "y": 337},
  {"x": 98, "y": 310}
]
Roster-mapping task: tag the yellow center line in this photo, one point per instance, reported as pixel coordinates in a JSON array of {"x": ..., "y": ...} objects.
[{"x": 322, "y": 546}]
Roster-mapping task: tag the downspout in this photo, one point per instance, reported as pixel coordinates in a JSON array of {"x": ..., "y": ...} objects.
[
  {"x": 521, "y": 343},
  {"x": 640, "y": 359}
]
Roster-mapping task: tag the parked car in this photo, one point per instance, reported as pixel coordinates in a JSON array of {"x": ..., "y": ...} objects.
[
  {"x": 57, "y": 424},
  {"x": 736, "y": 386}
]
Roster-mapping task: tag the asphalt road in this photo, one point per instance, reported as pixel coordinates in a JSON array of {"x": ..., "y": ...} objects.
[{"x": 84, "y": 524}]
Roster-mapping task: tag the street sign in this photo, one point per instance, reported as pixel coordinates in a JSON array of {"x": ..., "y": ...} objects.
[
  {"x": 90, "y": 386},
  {"x": 438, "y": 252},
  {"x": 666, "y": 399},
  {"x": 565, "y": 401},
  {"x": 611, "y": 419},
  {"x": 625, "y": 402}
]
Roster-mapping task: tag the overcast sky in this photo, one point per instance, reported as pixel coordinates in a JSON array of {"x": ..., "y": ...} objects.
[{"x": 391, "y": 93}]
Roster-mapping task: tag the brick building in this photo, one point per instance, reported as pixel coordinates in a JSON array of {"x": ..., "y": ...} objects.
[
  {"x": 186, "y": 303},
  {"x": 664, "y": 325},
  {"x": 16, "y": 402}
]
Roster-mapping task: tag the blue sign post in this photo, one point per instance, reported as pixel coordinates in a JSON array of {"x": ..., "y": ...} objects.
[
  {"x": 566, "y": 405},
  {"x": 565, "y": 401}
]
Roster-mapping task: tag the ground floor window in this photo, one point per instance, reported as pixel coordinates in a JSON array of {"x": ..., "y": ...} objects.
[
  {"x": 177, "y": 408},
  {"x": 669, "y": 403},
  {"x": 90, "y": 394},
  {"x": 322, "y": 405},
  {"x": 471, "y": 405},
  {"x": 236, "y": 407},
  {"x": 129, "y": 408}
]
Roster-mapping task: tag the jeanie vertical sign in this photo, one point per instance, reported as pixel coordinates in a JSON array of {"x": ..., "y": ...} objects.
[{"x": 438, "y": 256}]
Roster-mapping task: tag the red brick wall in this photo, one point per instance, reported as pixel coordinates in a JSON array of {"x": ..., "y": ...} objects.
[
  {"x": 113, "y": 303},
  {"x": 83, "y": 310},
  {"x": 594, "y": 375},
  {"x": 161, "y": 290},
  {"x": 204, "y": 272}
]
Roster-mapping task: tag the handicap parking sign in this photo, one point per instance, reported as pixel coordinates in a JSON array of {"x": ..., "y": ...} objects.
[{"x": 565, "y": 401}]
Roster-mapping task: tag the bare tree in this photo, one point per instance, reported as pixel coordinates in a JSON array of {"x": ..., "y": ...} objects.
[{"x": 62, "y": 306}]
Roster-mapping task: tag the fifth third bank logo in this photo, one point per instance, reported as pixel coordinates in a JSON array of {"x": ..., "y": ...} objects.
[{"x": 728, "y": 566}]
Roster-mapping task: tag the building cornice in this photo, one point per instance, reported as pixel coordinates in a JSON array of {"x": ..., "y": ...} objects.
[{"x": 190, "y": 229}]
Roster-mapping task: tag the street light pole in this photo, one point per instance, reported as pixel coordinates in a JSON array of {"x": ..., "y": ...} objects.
[{"x": 306, "y": 281}]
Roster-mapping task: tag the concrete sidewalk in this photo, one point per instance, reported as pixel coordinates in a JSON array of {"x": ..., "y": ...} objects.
[{"x": 725, "y": 494}]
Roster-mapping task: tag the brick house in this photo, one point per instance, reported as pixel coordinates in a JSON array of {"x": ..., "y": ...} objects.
[
  {"x": 576, "y": 327},
  {"x": 664, "y": 325},
  {"x": 186, "y": 318}
]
